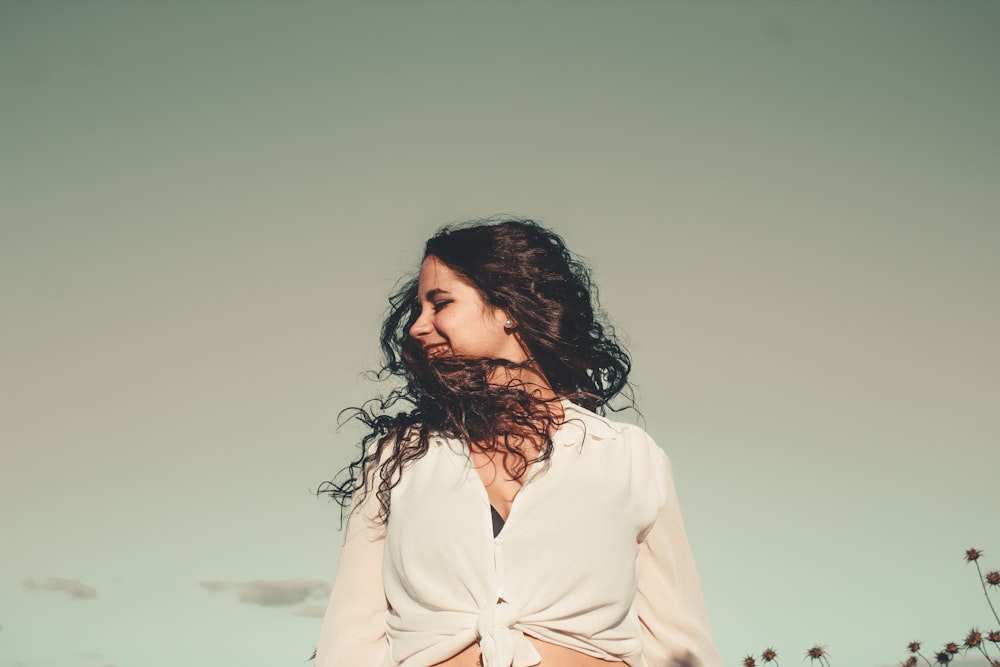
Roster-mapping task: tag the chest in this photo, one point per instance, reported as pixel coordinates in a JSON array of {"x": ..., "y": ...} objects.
[
  {"x": 577, "y": 502},
  {"x": 445, "y": 497},
  {"x": 502, "y": 476}
]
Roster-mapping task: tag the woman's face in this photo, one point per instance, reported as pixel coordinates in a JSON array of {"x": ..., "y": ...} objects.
[{"x": 454, "y": 319}]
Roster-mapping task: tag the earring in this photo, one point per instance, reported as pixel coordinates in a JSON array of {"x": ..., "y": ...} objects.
[{"x": 508, "y": 324}]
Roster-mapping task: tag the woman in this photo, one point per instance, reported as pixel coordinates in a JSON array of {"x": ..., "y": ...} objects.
[{"x": 500, "y": 521}]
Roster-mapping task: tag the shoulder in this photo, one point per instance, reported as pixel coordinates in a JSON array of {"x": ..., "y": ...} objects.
[
  {"x": 598, "y": 428},
  {"x": 625, "y": 457}
]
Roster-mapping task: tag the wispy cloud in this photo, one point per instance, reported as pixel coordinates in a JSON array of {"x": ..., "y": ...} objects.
[
  {"x": 273, "y": 593},
  {"x": 71, "y": 587},
  {"x": 311, "y": 611}
]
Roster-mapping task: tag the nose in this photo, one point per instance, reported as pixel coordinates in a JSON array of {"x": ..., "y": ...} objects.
[{"x": 422, "y": 326}]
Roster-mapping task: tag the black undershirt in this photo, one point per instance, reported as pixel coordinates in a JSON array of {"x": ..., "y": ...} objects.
[{"x": 497, "y": 521}]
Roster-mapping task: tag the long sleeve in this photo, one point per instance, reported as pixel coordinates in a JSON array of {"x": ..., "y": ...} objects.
[
  {"x": 669, "y": 600},
  {"x": 353, "y": 633}
]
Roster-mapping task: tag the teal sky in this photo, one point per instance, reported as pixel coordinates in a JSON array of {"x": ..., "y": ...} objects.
[{"x": 791, "y": 209}]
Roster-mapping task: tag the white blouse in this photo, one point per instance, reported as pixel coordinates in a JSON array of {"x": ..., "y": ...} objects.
[{"x": 593, "y": 557}]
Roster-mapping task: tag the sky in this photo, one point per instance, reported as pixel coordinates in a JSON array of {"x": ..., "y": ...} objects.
[{"x": 790, "y": 207}]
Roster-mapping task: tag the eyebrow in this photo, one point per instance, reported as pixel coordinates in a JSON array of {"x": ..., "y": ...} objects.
[{"x": 437, "y": 291}]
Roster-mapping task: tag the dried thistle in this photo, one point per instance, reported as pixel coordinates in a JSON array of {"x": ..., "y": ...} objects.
[
  {"x": 993, "y": 636},
  {"x": 749, "y": 661},
  {"x": 952, "y": 648},
  {"x": 909, "y": 662},
  {"x": 942, "y": 657},
  {"x": 913, "y": 647},
  {"x": 993, "y": 578},
  {"x": 972, "y": 556},
  {"x": 816, "y": 652},
  {"x": 769, "y": 654},
  {"x": 973, "y": 639}
]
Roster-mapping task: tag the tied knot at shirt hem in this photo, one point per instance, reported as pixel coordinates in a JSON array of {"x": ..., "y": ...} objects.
[{"x": 500, "y": 644}]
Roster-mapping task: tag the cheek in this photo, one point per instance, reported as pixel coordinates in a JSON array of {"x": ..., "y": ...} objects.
[
  {"x": 465, "y": 333},
  {"x": 450, "y": 327}
]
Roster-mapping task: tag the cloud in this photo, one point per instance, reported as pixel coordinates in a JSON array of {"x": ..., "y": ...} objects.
[
  {"x": 71, "y": 587},
  {"x": 275, "y": 593},
  {"x": 94, "y": 656},
  {"x": 311, "y": 611}
]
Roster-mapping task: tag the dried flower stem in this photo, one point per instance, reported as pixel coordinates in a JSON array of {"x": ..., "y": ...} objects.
[{"x": 982, "y": 583}]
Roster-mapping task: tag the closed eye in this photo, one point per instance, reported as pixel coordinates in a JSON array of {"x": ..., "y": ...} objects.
[{"x": 438, "y": 305}]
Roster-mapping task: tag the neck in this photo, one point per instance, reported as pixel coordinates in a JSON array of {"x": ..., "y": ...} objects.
[{"x": 528, "y": 378}]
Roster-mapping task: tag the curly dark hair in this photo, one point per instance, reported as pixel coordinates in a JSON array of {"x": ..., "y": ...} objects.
[{"x": 526, "y": 270}]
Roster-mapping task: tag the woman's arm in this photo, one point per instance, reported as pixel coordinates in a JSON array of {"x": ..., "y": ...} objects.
[
  {"x": 353, "y": 631},
  {"x": 669, "y": 601}
]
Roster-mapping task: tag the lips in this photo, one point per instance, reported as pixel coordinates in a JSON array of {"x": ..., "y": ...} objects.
[{"x": 436, "y": 350}]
